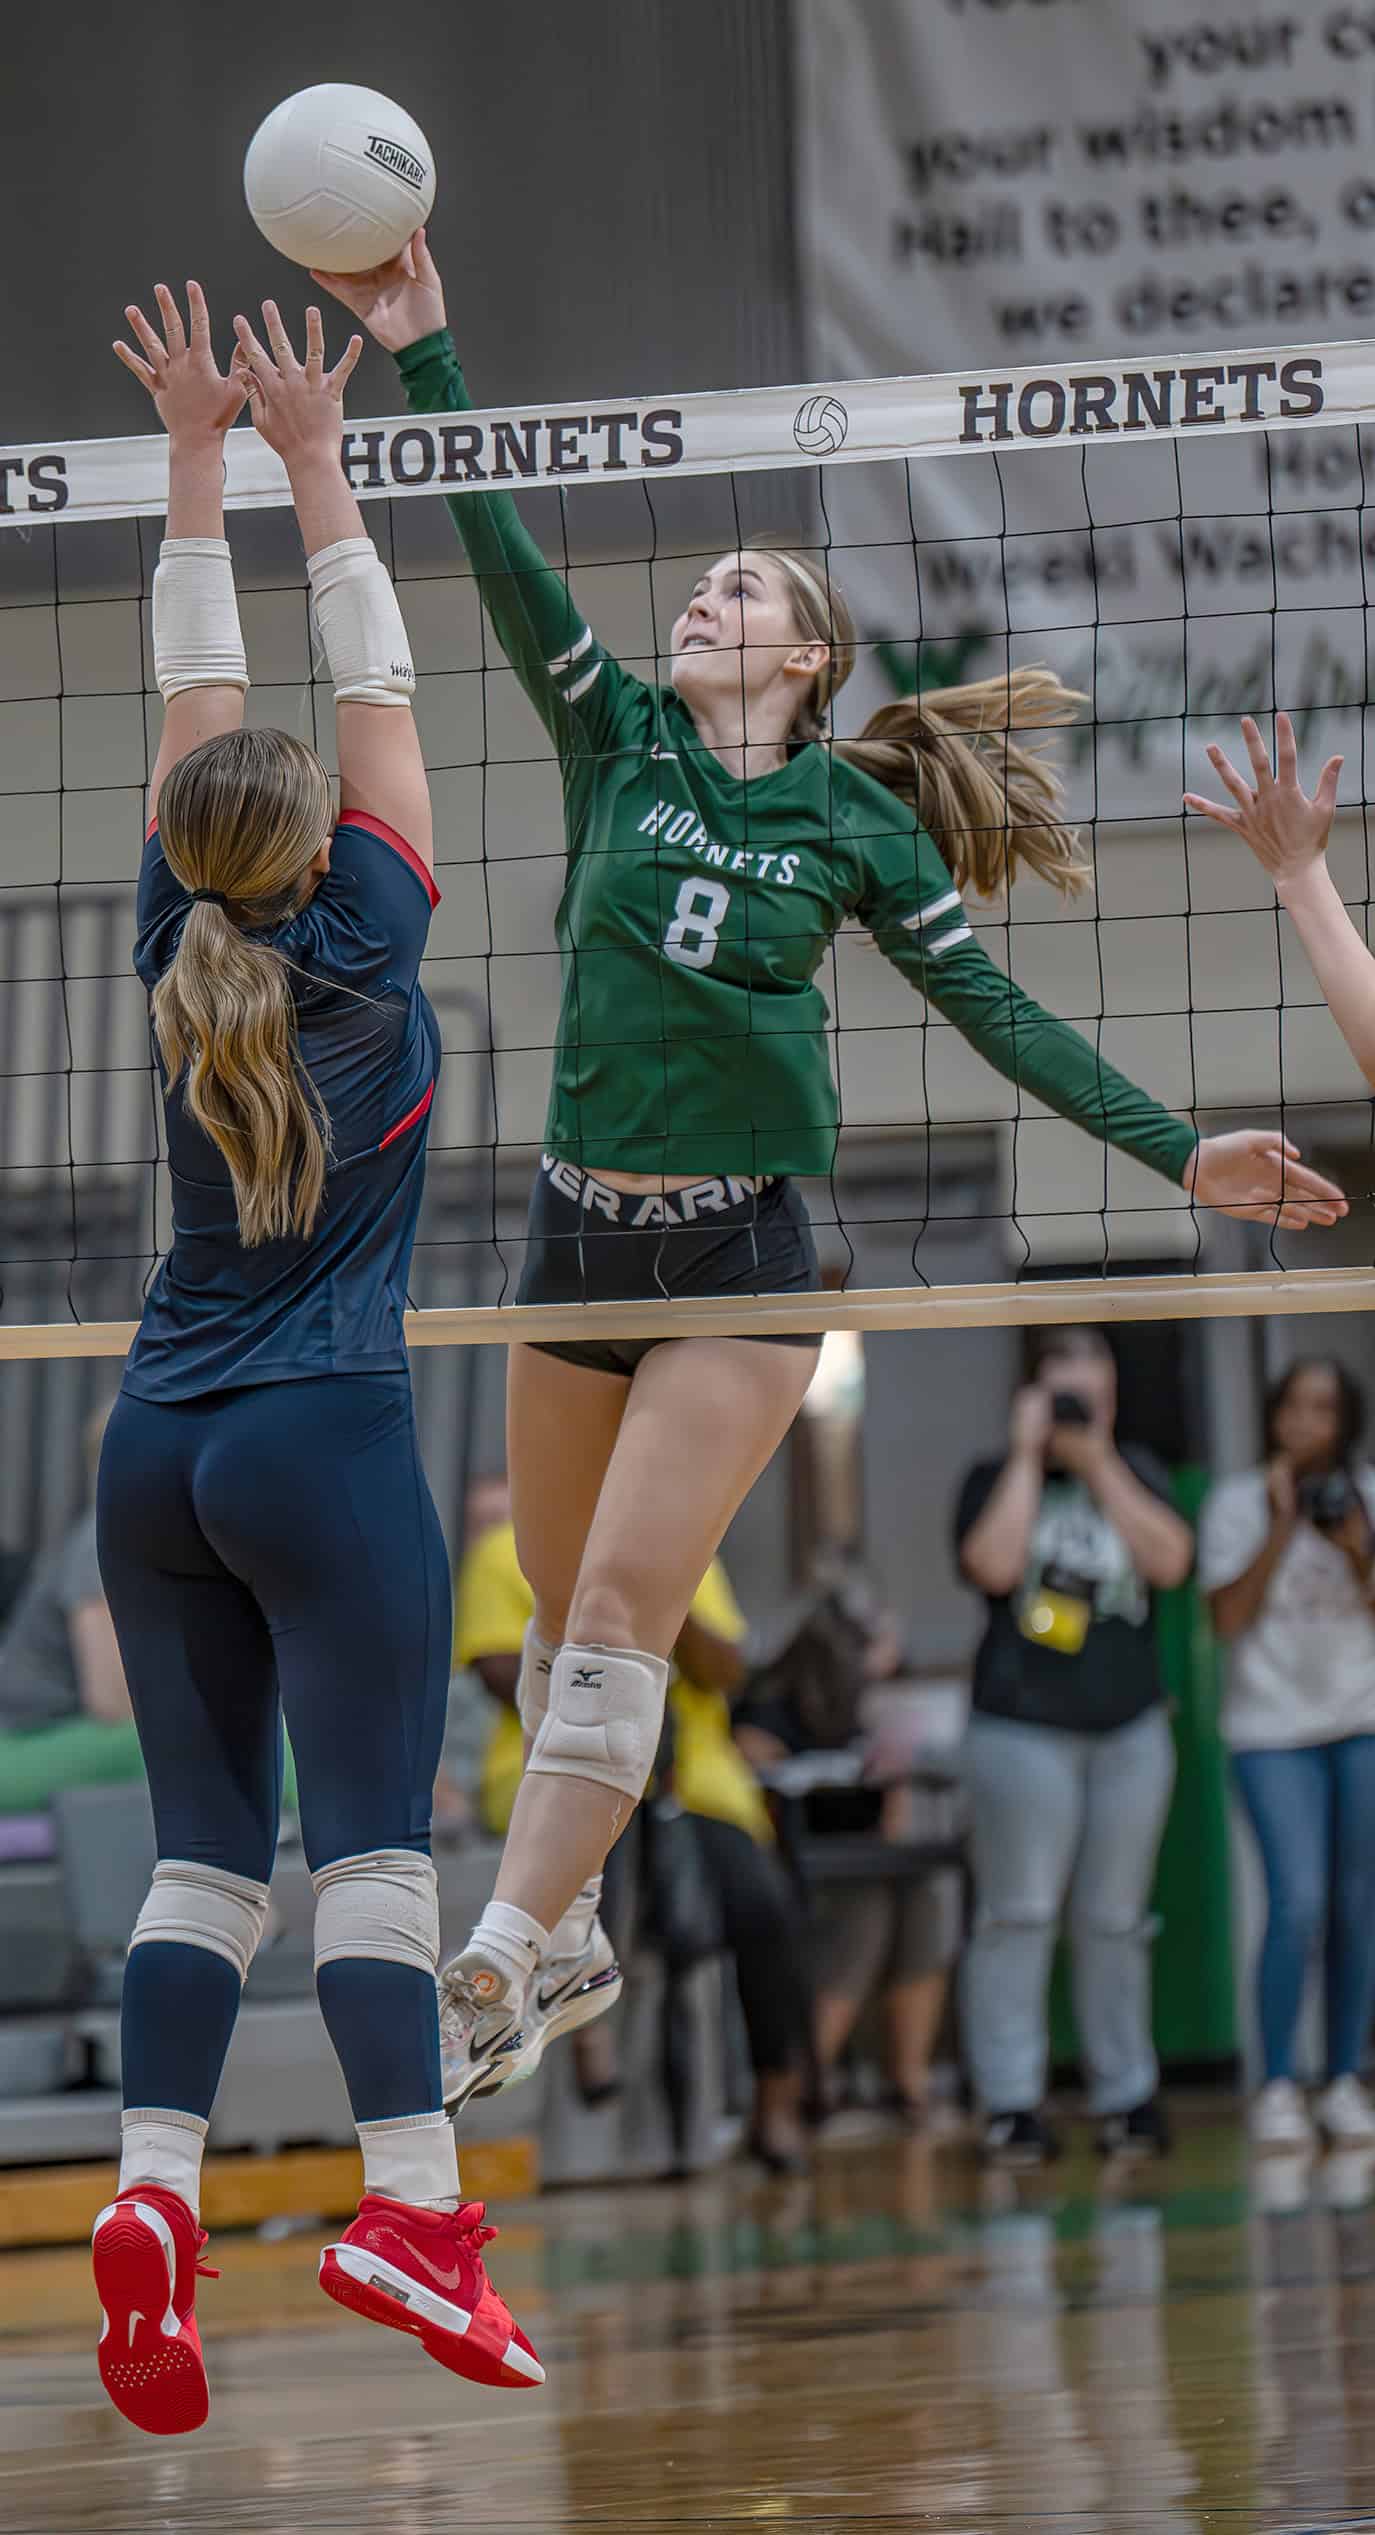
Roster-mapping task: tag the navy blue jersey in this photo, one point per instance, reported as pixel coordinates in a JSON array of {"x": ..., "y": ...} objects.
[{"x": 220, "y": 1315}]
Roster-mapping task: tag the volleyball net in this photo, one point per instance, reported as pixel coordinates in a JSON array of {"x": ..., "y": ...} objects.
[{"x": 1184, "y": 539}]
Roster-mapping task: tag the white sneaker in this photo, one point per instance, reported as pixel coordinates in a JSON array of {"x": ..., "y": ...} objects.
[
  {"x": 1279, "y": 2117},
  {"x": 568, "y": 1991},
  {"x": 480, "y": 2006},
  {"x": 1345, "y": 2114}
]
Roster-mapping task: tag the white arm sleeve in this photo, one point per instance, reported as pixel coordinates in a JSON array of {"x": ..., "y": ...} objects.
[
  {"x": 197, "y": 641},
  {"x": 361, "y": 624}
]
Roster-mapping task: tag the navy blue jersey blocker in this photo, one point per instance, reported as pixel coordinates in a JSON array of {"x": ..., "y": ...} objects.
[
  {"x": 268, "y": 1542},
  {"x": 219, "y": 1315}
]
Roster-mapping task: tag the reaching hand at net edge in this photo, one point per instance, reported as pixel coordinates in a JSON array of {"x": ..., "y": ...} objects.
[
  {"x": 193, "y": 400},
  {"x": 1287, "y": 831},
  {"x": 1256, "y": 1174},
  {"x": 297, "y": 406}
]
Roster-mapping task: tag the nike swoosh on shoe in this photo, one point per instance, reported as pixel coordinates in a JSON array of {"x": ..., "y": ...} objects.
[{"x": 548, "y": 1998}]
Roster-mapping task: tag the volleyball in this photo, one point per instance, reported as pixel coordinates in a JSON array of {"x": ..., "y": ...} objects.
[
  {"x": 820, "y": 425},
  {"x": 339, "y": 177}
]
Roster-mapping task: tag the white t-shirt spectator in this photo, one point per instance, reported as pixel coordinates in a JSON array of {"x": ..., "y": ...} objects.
[{"x": 1304, "y": 1671}]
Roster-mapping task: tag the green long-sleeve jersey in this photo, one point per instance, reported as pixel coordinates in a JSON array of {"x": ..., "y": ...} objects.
[{"x": 698, "y": 907}]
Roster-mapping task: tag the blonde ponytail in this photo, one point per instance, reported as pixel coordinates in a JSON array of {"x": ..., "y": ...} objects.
[
  {"x": 990, "y": 801},
  {"x": 245, "y": 815}
]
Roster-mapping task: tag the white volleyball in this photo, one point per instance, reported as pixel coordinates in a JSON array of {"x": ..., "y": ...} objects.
[{"x": 339, "y": 177}]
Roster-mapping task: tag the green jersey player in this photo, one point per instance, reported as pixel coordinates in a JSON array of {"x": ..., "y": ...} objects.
[{"x": 717, "y": 837}]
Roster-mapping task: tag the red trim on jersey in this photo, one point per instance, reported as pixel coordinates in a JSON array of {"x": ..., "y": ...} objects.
[
  {"x": 151, "y": 829},
  {"x": 412, "y": 1119},
  {"x": 388, "y": 836}
]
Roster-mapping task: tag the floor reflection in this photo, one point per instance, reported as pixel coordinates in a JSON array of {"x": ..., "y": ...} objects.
[{"x": 895, "y": 2342}]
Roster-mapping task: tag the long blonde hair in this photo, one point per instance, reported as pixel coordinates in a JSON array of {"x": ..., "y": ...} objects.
[
  {"x": 244, "y": 815},
  {"x": 991, "y": 802}
]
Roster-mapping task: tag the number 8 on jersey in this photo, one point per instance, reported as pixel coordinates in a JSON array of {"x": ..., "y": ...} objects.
[{"x": 695, "y": 931}]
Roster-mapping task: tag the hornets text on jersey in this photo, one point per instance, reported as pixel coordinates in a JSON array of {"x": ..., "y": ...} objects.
[{"x": 698, "y": 907}]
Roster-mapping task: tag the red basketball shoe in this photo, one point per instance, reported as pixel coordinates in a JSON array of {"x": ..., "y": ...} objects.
[
  {"x": 145, "y": 2252},
  {"x": 421, "y": 2271}
]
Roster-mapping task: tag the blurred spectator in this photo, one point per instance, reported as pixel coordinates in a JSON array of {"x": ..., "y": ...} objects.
[
  {"x": 1286, "y": 1555},
  {"x": 896, "y": 1939},
  {"x": 492, "y": 1605},
  {"x": 65, "y": 1719},
  {"x": 759, "y": 1914},
  {"x": 1070, "y": 1759}
]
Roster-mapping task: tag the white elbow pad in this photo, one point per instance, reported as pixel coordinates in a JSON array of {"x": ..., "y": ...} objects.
[
  {"x": 362, "y": 629},
  {"x": 197, "y": 641}
]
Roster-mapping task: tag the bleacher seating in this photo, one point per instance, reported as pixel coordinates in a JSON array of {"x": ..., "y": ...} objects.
[{"x": 64, "y": 1928}]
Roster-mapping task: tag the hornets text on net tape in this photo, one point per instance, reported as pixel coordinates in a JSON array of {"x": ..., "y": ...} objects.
[{"x": 1160, "y": 396}]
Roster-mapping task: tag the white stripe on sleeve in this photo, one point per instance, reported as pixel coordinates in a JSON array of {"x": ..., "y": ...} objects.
[
  {"x": 581, "y": 685},
  {"x": 962, "y": 933},
  {"x": 566, "y": 659},
  {"x": 932, "y": 914}
]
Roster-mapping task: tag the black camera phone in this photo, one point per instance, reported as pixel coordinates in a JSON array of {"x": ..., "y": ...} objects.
[
  {"x": 1326, "y": 1498},
  {"x": 1067, "y": 1409}
]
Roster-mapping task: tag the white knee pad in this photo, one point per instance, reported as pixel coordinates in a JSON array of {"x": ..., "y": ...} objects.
[
  {"x": 532, "y": 1688},
  {"x": 383, "y": 1906},
  {"x": 606, "y": 1713},
  {"x": 189, "y": 1904}
]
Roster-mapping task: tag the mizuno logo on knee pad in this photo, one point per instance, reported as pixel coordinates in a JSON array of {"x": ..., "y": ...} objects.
[{"x": 604, "y": 1719}]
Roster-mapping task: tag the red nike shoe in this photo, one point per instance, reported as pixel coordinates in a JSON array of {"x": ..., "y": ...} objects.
[
  {"x": 421, "y": 2271},
  {"x": 146, "y": 2254}
]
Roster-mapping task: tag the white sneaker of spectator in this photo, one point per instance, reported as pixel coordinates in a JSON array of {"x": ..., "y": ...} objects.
[
  {"x": 1345, "y": 2114},
  {"x": 1279, "y": 2117}
]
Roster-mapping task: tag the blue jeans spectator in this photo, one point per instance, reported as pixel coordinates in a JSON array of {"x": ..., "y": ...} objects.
[
  {"x": 1313, "y": 1813},
  {"x": 1062, "y": 1817}
]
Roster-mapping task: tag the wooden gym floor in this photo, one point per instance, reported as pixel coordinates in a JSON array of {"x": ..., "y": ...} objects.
[{"x": 891, "y": 2346}]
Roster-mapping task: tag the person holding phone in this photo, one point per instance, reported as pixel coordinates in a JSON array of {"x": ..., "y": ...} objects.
[
  {"x": 1287, "y": 1554},
  {"x": 1069, "y": 1758}
]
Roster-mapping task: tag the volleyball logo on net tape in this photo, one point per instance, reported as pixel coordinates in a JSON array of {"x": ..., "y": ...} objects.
[{"x": 820, "y": 426}]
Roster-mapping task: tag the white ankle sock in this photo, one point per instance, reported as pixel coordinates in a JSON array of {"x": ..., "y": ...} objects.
[
  {"x": 512, "y": 1939},
  {"x": 164, "y": 2148},
  {"x": 412, "y": 2159},
  {"x": 574, "y": 1931}
]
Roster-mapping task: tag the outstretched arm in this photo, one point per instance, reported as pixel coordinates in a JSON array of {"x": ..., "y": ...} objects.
[
  {"x": 198, "y": 649},
  {"x": 298, "y": 406},
  {"x": 1255, "y": 1173},
  {"x": 572, "y": 683},
  {"x": 1287, "y": 832}
]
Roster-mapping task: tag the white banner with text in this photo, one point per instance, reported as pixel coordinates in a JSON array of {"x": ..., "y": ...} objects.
[{"x": 1024, "y": 191}]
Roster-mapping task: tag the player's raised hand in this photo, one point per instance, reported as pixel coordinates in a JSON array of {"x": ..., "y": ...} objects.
[
  {"x": 194, "y": 399},
  {"x": 1257, "y": 1175},
  {"x": 1286, "y": 829},
  {"x": 397, "y": 302},
  {"x": 298, "y": 406}
]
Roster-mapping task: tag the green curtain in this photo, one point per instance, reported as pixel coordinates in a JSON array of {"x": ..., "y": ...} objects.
[{"x": 80, "y": 1751}]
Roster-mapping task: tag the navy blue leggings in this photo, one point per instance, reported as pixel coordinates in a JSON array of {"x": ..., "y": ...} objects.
[
  {"x": 276, "y": 1552},
  {"x": 1313, "y": 1814}
]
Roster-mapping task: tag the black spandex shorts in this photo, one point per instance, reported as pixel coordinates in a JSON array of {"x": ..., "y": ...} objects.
[{"x": 588, "y": 1243}]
